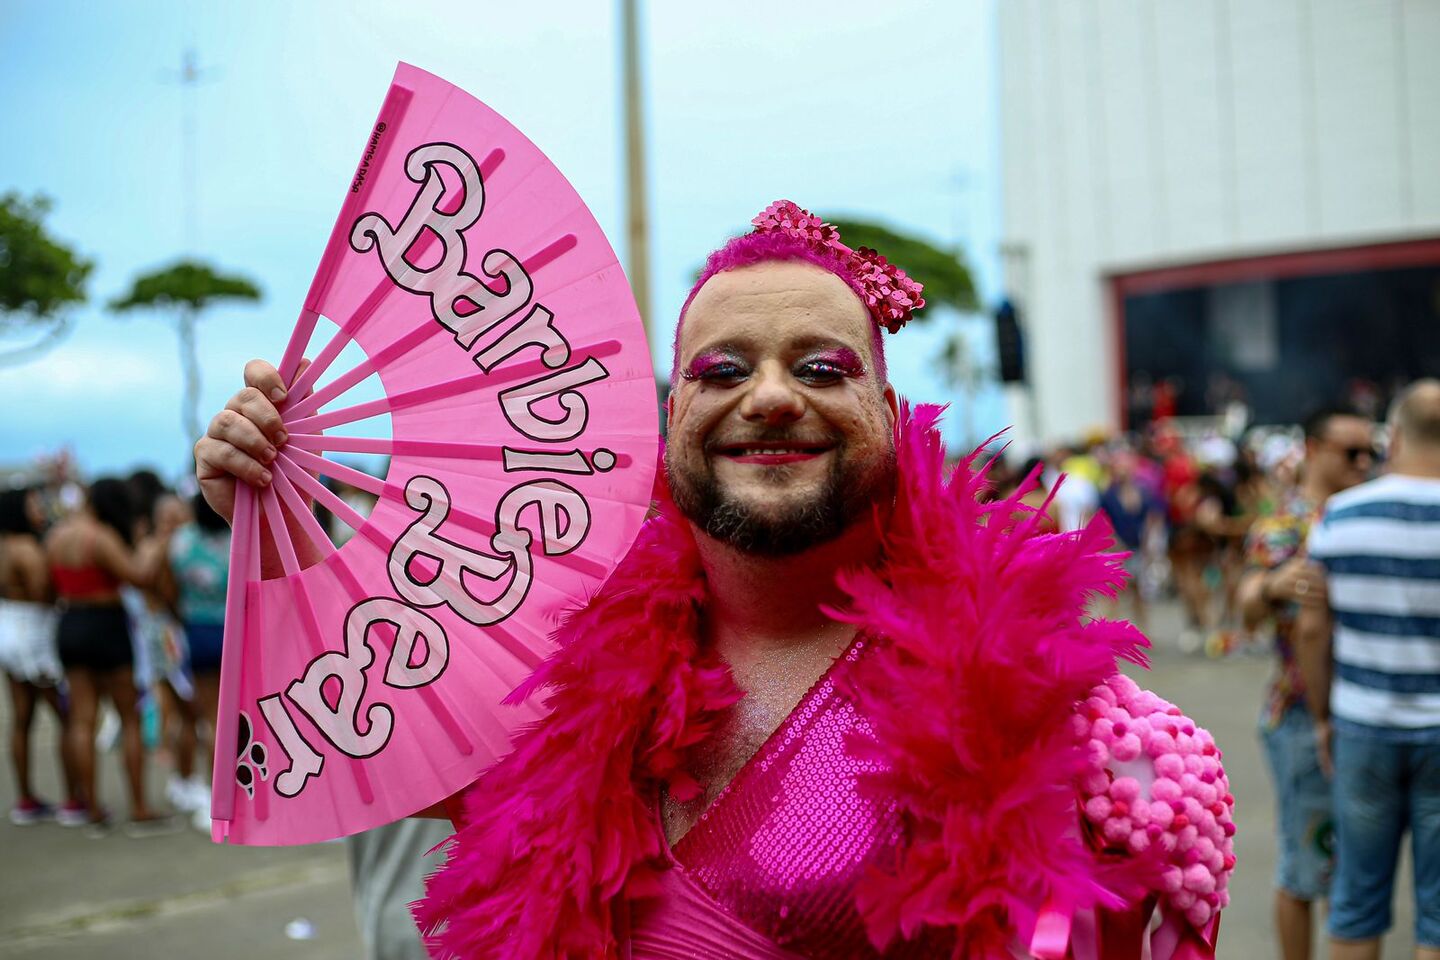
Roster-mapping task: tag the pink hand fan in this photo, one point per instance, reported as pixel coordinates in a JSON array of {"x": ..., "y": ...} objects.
[{"x": 522, "y": 411}]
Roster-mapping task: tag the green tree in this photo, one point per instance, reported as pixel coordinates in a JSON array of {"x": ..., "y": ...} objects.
[
  {"x": 947, "y": 281},
  {"x": 946, "y": 278},
  {"x": 185, "y": 290},
  {"x": 39, "y": 279}
]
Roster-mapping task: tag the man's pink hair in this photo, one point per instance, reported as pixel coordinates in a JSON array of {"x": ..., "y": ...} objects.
[{"x": 753, "y": 248}]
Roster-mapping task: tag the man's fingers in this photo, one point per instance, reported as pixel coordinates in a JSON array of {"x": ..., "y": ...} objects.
[
  {"x": 215, "y": 458},
  {"x": 266, "y": 379},
  {"x": 242, "y": 432},
  {"x": 253, "y": 406}
]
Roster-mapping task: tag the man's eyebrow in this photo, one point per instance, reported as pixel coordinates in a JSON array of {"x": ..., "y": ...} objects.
[
  {"x": 721, "y": 346},
  {"x": 743, "y": 345},
  {"x": 811, "y": 341}
]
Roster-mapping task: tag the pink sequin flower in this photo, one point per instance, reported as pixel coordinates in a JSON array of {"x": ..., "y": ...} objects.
[{"x": 890, "y": 294}]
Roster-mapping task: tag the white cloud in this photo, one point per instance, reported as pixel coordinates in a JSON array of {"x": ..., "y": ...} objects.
[{"x": 112, "y": 371}]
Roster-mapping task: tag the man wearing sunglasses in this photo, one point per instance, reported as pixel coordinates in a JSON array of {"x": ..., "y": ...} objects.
[
  {"x": 1339, "y": 454},
  {"x": 1377, "y": 548}
]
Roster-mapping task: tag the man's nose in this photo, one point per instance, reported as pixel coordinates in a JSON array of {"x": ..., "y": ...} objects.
[{"x": 772, "y": 399}]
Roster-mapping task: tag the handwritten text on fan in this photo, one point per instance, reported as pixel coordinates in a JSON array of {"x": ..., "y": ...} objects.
[{"x": 426, "y": 569}]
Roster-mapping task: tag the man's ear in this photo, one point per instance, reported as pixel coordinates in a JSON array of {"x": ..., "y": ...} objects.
[{"x": 892, "y": 404}]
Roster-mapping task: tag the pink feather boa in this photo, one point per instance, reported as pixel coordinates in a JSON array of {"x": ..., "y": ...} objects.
[{"x": 972, "y": 699}]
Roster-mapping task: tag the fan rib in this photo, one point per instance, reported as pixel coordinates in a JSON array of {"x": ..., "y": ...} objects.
[
  {"x": 438, "y": 707},
  {"x": 367, "y": 308},
  {"x": 392, "y": 111},
  {"x": 359, "y": 318},
  {"x": 243, "y": 552},
  {"x": 300, "y": 336},
  {"x": 336, "y": 471},
  {"x": 491, "y": 163},
  {"x": 536, "y": 366},
  {"x": 306, "y": 381},
  {"x": 396, "y": 448},
  {"x": 337, "y": 342},
  {"x": 327, "y": 499},
  {"x": 275, "y": 520},
  {"x": 373, "y": 408},
  {"x": 310, "y": 623},
  {"x": 550, "y": 252},
  {"x": 362, "y": 370},
  {"x": 301, "y": 511},
  {"x": 443, "y": 390}
]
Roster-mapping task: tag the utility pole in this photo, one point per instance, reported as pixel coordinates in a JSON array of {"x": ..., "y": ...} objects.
[
  {"x": 637, "y": 221},
  {"x": 190, "y": 187},
  {"x": 189, "y": 78},
  {"x": 189, "y": 175}
]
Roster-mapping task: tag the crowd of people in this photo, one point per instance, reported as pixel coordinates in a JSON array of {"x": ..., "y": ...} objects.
[
  {"x": 112, "y": 600},
  {"x": 1182, "y": 498},
  {"x": 1253, "y": 535}
]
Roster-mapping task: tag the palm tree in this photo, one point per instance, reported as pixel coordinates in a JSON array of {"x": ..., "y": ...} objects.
[{"x": 186, "y": 289}]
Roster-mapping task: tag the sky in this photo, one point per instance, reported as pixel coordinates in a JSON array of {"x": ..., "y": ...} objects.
[{"x": 857, "y": 109}]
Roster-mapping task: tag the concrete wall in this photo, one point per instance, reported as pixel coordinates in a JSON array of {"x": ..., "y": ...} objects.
[{"x": 1142, "y": 133}]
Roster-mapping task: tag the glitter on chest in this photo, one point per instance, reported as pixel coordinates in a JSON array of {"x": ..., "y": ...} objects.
[{"x": 784, "y": 844}]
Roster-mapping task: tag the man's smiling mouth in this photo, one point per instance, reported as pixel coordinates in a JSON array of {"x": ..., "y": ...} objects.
[{"x": 772, "y": 452}]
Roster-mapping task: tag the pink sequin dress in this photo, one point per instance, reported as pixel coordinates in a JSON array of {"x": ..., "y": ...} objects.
[{"x": 769, "y": 871}]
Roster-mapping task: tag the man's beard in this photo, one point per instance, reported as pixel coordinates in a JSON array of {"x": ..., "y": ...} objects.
[{"x": 849, "y": 492}]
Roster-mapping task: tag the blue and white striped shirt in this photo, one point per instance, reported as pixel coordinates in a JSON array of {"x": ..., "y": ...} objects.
[{"x": 1380, "y": 546}]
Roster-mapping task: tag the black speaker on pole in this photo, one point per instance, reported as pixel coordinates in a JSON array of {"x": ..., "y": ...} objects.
[{"x": 1009, "y": 343}]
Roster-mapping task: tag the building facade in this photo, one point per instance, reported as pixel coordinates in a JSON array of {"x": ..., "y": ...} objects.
[{"x": 1213, "y": 199}]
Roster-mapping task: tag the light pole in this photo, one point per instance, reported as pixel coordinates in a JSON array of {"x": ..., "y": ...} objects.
[{"x": 636, "y": 219}]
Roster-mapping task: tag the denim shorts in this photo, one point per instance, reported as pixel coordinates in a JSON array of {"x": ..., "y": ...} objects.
[
  {"x": 1304, "y": 826},
  {"x": 1382, "y": 789}
]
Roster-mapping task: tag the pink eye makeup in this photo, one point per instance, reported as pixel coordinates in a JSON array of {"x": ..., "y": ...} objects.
[
  {"x": 820, "y": 368},
  {"x": 829, "y": 366},
  {"x": 715, "y": 366}
]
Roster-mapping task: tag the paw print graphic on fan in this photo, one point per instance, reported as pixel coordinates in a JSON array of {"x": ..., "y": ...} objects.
[{"x": 249, "y": 758}]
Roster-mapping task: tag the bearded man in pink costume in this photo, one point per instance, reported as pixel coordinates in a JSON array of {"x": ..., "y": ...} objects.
[{"x": 831, "y": 705}]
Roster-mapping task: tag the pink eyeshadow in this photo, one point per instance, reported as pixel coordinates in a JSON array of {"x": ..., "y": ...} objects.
[{"x": 707, "y": 362}]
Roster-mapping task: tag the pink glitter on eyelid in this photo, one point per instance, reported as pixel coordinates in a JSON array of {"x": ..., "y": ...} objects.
[
  {"x": 706, "y": 362},
  {"x": 847, "y": 360}
]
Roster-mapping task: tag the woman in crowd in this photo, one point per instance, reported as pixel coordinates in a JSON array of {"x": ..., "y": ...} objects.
[
  {"x": 27, "y": 652},
  {"x": 160, "y": 644},
  {"x": 91, "y": 554},
  {"x": 200, "y": 566}
]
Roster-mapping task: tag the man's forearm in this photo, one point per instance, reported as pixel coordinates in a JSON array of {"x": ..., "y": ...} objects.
[{"x": 1312, "y": 655}]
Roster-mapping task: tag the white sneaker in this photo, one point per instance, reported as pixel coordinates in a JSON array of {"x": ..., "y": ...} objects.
[
  {"x": 200, "y": 819},
  {"x": 178, "y": 794},
  {"x": 199, "y": 791}
]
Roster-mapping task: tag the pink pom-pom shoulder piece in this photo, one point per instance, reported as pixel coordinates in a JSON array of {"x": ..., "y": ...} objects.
[{"x": 1183, "y": 821}]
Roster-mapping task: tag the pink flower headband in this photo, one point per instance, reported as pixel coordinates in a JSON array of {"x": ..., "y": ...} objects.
[{"x": 889, "y": 294}]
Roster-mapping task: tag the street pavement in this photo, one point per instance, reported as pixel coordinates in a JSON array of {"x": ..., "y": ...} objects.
[{"x": 66, "y": 897}]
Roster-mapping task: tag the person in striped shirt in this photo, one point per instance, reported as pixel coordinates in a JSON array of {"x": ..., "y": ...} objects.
[
  {"x": 1370, "y": 660},
  {"x": 1339, "y": 454}
]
